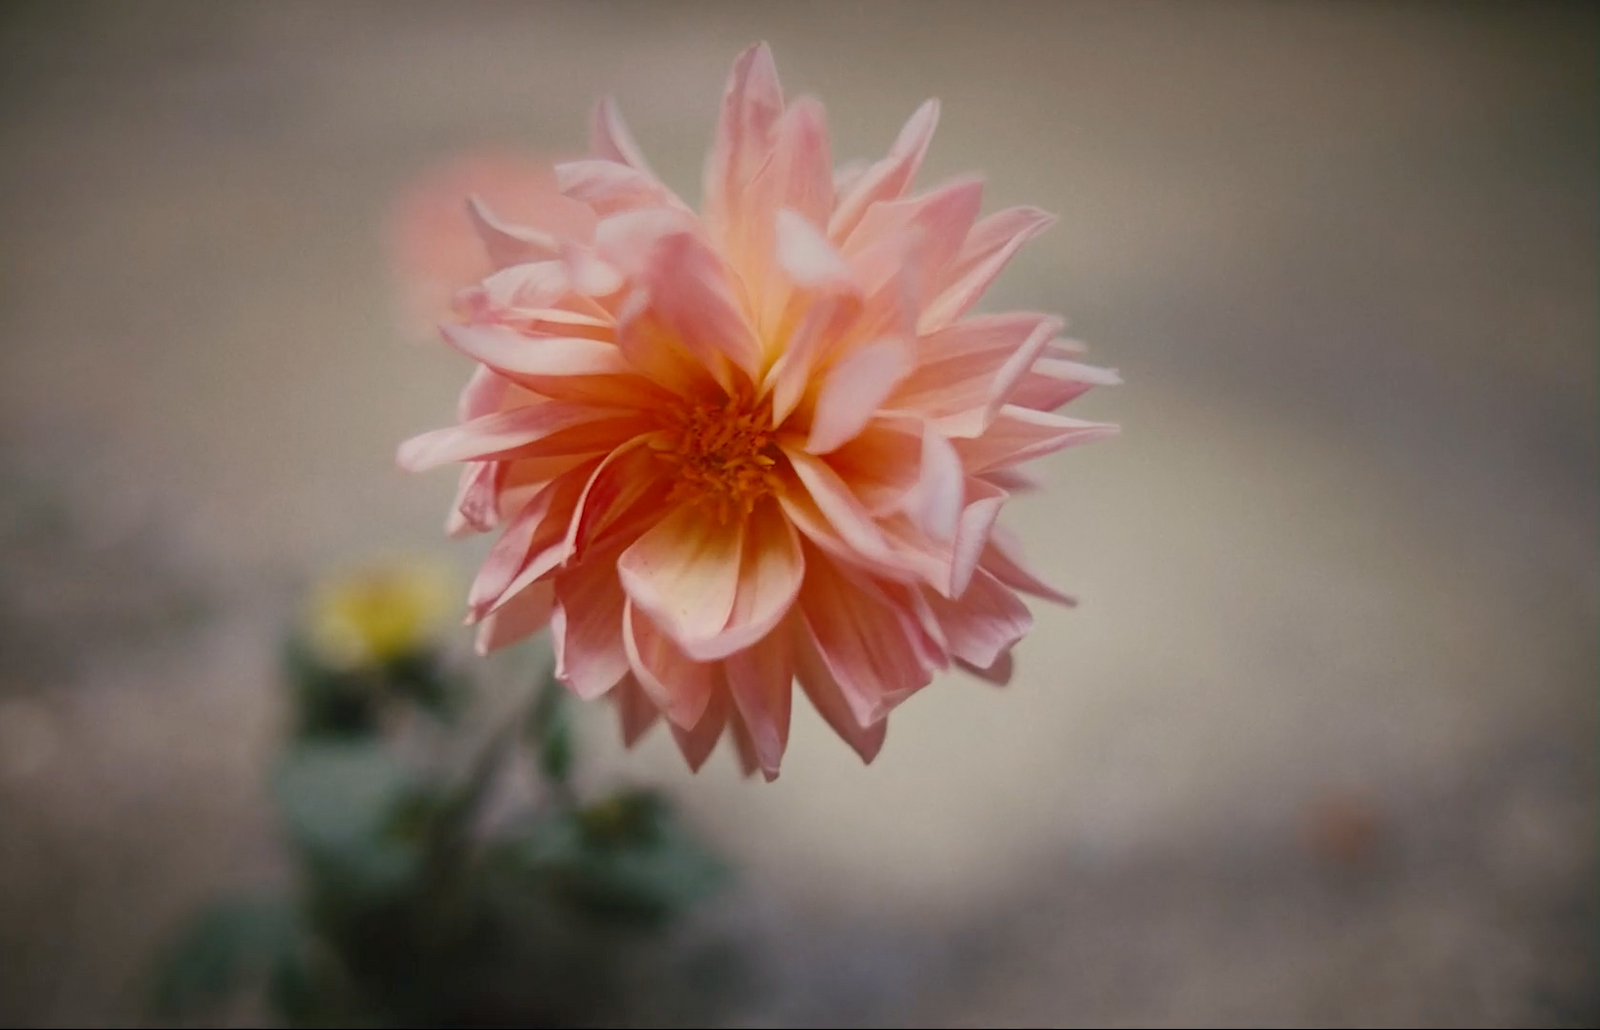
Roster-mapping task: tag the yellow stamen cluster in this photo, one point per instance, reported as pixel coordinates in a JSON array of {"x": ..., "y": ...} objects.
[{"x": 723, "y": 456}]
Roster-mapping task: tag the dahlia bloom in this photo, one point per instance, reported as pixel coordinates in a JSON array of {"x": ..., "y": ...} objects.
[{"x": 762, "y": 445}]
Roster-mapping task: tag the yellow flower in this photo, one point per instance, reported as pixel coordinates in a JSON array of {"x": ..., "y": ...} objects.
[{"x": 377, "y": 613}]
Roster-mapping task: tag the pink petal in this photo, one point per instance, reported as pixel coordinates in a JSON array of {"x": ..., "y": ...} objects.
[
  {"x": 1020, "y": 434},
  {"x": 635, "y": 710},
  {"x": 771, "y": 569},
  {"x": 984, "y": 622},
  {"x": 519, "y": 357},
  {"x": 492, "y": 436},
  {"x": 482, "y": 395},
  {"x": 692, "y": 301},
  {"x": 934, "y": 502},
  {"x": 958, "y": 368},
  {"x": 745, "y": 748},
  {"x": 1003, "y": 560},
  {"x": 760, "y": 681},
  {"x": 684, "y": 573},
  {"x": 625, "y": 479},
  {"x": 853, "y": 390},
  {"x": 524, "y": 552},
  {"x": 984, "y": 501},
  {"x": 828, "y": 699},
  {"x": 697, "y": 742},
  {"x": 751, "y": 107},
  {"x": 940, "y": 220},
  {"x": 477, "y": 508},
  {"x": 805, "y": 255},
  {"x": 609, "y": 187},
  {"x": 1053, "y": 382},
  {"x": 841, "y": 511},
  {"x": 889, "y": 178},
  {"x": 521, "y": 617},
  {"x": 679, "y": 686},
  {"x": 825, "y": 321},
  {"x": 609, "y": 137},
  {"x": 586, "y": 628},
  {"x": 508, "y": 244},
  {"x": 862, "y": 640},
  {"x": 992, "y": 243},
  {"x": 998, "y": 673},
  {"x": 882, "y": 464}
]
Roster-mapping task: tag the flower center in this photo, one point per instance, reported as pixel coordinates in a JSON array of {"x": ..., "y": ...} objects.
[{"x": 723, "y": 456}]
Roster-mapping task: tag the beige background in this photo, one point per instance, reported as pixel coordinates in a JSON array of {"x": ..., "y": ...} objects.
[{"x": 1318, "y": 747}]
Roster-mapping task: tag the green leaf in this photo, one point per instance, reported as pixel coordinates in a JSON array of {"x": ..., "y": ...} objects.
[
  {"x": 352, "y": 808},
  {"x": 228, "y": 944},
  {"x": 627, "y": 859}
]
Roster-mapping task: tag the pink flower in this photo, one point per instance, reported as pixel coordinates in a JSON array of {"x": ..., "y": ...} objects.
[{"x": 759, "y": 446}]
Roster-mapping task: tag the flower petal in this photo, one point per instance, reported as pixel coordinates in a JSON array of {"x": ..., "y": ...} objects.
[
  {"x": 828, "y": 699},
  {"x": 1020, "y": 434},
  {"x": 934, "y": 501},
  {"x": 609, "y": 187},
  {"x": 678, "y": 685},
  {"x": 854, "y": 389},
  {"x": 841, "y": 511},
  {"x": 889, "y": 178},
  {"x": 771, "y": 569},
  {"x": 610, "y": 139},
  {"x": 493, "y": 436},
  {"x": 684, "y": 573},
  {"x": 861, "y": 639},
  {"x": 524, "y": 615},
  {"x": 760, "y": 680},
  {"x": 983, "y": 503},
  {"x": 1003, "y": 560},
  {"x": 984, "y": 622},
  {"x": 751, "y": 106},
  {"x": 508, "y": 244},
  {"x": 697, "y": 742},
  {"x": 635, "y": 710},
  {"x": 991, "y": 244},
  {"x": 586, "y": 628}
]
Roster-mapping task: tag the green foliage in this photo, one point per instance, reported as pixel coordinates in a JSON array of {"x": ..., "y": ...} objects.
[
  {"x": 229, "y": 943},
  {"x": 405, "y": 913}
]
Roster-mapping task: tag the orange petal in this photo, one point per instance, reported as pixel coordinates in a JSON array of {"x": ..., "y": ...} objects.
[
  {"x": 760, "y": 681},
  {"x": 677, "y": 685},
  {"x": 684, "y": 573},
  {"x": 524, "y": 615},
  {"x": 586, "y": 628}
]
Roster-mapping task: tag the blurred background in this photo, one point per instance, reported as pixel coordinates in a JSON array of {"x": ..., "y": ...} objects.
[{"x": 1318, "y": 747}]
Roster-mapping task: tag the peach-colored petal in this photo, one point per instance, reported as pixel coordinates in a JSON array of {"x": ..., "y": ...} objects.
[
  {"x": 527, "y": 614},
  {"x": 610, "y": 139},
  {"x": 843, "y": 512},
  {"x": 745, "y": 748},
  {"x": 1021, "y": 434},
  {"x": 675, "y": 683},
  {"x": 938, "y": 221},
  {"x": 636, "y": 711},
  {"x": 508, "y": 244},
  {"x": 1003, "y": 560},
  {"x": 829, "y": 700},
  {"x": 853, "y": 390},
  {"x": 1052, "y": 382},
  {"x": 477, "y": 504},
  {"x": 998, "y": 672},
  {"x": 691, "y": 302},
  {"x": 760, "y": 680},
  {"x": 586, "y": 628},
  {"x": 984, "y": 623},
  {"x": 684, "y": 573},
  {"x": 771, "y": 570},
  {"x": 861, "y": 639},
  {"x": 983, "y": 502},
  {"x": 934, "y": 501},
  {"x": 745, "y": 134},
  {"x": 889, "y": 178},
  {"x": 608, "y": 187},
  {"x": 493, "y": 436},
  {"x": 992, "y": 243},
  {"x": 698, "y": 741}
]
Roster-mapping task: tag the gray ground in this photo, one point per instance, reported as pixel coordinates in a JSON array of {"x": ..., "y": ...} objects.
[{"x": 1317, "y": 749}]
